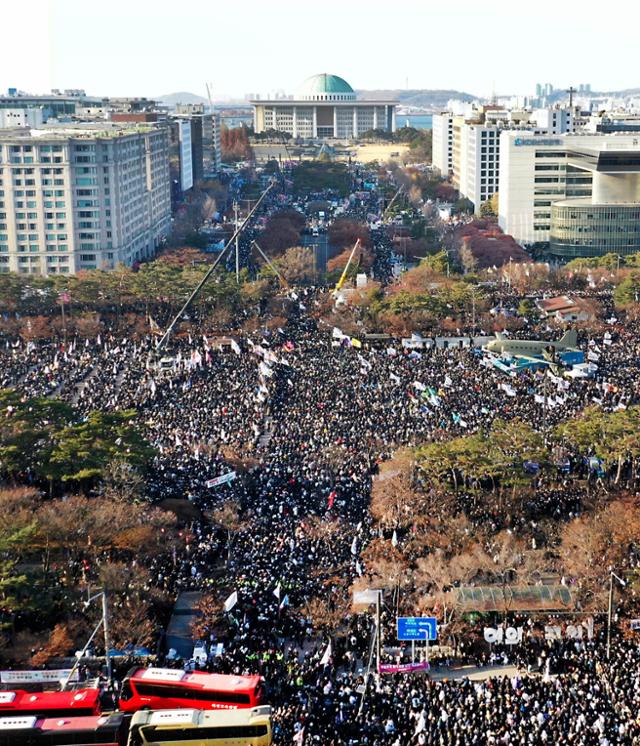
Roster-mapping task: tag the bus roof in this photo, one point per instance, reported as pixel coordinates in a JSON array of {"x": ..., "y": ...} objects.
[
  {"x": 17, "y": 723},
  {"x": 198, "y": 679},
  {"x": 172, "y": 718},
  {"x": 89, "y": 722},
  {"x": 32, "y": 700}
]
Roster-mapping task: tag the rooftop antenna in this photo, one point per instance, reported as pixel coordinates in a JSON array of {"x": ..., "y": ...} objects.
[
  {"x": 493, "y": 93},
  {"x": 571, "y": 90}
]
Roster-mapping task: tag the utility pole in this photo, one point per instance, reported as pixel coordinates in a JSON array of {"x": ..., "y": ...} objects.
[
  {"x": 571, "y": 90},
  {"x": 235, "y": 211}
]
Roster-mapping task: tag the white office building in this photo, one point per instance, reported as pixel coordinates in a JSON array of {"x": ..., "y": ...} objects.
[
  {"x": 442, "y": 142},
  {"x": 23, "y": 117},
  {"x": 578, "y": 193},
  {"x": 82, "y": 196}
]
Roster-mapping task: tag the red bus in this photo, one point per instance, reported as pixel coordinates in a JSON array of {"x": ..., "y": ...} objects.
[
  {"x": 105, "y": 730},
  {"x": 50, "y": 704},
  {"x": 171, "y": 689}
]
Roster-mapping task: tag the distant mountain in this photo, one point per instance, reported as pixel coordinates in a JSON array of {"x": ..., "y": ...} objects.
[
  {"x": 183, "y": 97},
  {"x": 423, "y": 98}
]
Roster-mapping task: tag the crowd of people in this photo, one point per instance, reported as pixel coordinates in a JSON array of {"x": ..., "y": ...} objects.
[
  {"x": 309, "y": 416},
  {"x": 292, "y": 424}
]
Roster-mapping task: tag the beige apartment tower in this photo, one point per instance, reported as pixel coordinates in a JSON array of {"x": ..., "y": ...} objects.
[{"x": 85, "y": 196}]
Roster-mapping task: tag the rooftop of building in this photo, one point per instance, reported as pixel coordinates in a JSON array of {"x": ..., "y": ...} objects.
[
  {"x": 324, "y": 83},
  {"x": 75, "y": 130},
  {"x": 321, "y": 88}
]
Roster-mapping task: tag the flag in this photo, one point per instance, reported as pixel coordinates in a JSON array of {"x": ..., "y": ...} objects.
[
  {"x": 231, "y": 601},
  {"x": 265, "y": 370},
  {"x": 391, "y": 351},
  {"x": 356, "y": 342},
  {"x": 298, "y": 738},
  {"x": 285, "y": 602},
  {"x": 277, "y": 591},
  {"x": 324, "y": 661},
  {"x": 354, "y": 546},
  {"x": 394, "y": 539},
  {"x": 235, "y": 347},
  {"x": 358, "y": 568},
  {"x": 337, "y": 333},
  {"x": 394, "y": 377},
  {"x": 419, "y": 386}
]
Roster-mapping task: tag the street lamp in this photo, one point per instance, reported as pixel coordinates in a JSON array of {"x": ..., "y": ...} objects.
[
  {"x": 104, "y": 623},
  {"x": 105, "y": 628},
  {"x": 623, "y": 583}
]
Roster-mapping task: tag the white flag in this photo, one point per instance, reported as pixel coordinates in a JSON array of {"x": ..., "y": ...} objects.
[
  {"x": 285, "y": 602},
  {"x": 337, "y": 333},
  {"x": 235, "y": 347},
  {"x": 394, "y": 377},
  {"x": 324, "y": 661},
  {"x": 298, "y": 739},
  {"x": 394, "y": 539},
  {"x": 231, "y": 601},
  {"x": 277, "y": 591},
  {"x": 354, "y": 546},
  {"x": 265, "y": 370}
]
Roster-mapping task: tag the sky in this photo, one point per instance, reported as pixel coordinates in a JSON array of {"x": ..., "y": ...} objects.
[{"x": 155, "y": 47}]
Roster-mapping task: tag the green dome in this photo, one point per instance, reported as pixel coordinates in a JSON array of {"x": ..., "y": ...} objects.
[{"x": 325, "y": 85}]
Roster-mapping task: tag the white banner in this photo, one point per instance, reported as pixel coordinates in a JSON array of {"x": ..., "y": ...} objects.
[
  {"x": 37, "y": 677},
  {"x": 508, "y": 636},
  {"x": 224, "y": 479}
]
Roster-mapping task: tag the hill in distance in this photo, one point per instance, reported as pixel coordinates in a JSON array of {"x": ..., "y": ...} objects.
[
  {"x": 182, "y": 97},
  {"x": 424, "y": 98}
]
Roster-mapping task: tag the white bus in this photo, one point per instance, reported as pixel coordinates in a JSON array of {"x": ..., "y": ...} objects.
[{"x": 243, "y": 727}]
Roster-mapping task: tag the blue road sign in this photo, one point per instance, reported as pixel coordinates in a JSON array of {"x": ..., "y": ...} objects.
[{"x": 417, "y": 628}]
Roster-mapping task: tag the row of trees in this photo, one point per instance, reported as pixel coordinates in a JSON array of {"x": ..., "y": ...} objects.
[
  {"x": 442, "y": 502},
  {"x": 51, "y": 550},
  {"x": 47, "y": 441},
  {"x": 496, "y": 457}
]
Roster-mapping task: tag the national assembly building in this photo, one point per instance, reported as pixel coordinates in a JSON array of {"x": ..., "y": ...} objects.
[{"x": 324, "y": 107}]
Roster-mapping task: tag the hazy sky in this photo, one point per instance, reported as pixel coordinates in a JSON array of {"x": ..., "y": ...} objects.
[{"x": 153, "y": 47}]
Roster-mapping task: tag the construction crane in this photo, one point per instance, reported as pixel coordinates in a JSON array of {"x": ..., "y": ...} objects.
[
  {"x": 211, "y": 270},
  {"x": 270, "y": 264},
  {"x": 395, "y": 196},
  {"x": 343, "y": 276}
]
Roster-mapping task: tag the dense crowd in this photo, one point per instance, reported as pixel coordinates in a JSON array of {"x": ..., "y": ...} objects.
[{"x": 311, "y": 415}]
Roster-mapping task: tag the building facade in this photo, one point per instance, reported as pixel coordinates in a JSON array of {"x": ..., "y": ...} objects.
[
  {"x": 442, "y": 142},
  {"x": 325, "y": 107},
  {"x": 82, "y": 197},
  {"x": 467, "y": 147},
  {"x": 578, "y": 193}
]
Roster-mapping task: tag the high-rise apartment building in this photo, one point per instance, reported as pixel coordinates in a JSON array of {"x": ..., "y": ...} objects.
[
  {"x": 442, "y": 142},
  {"x": 467, "y": 147},
  {"x": 82, "y": 196}
]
